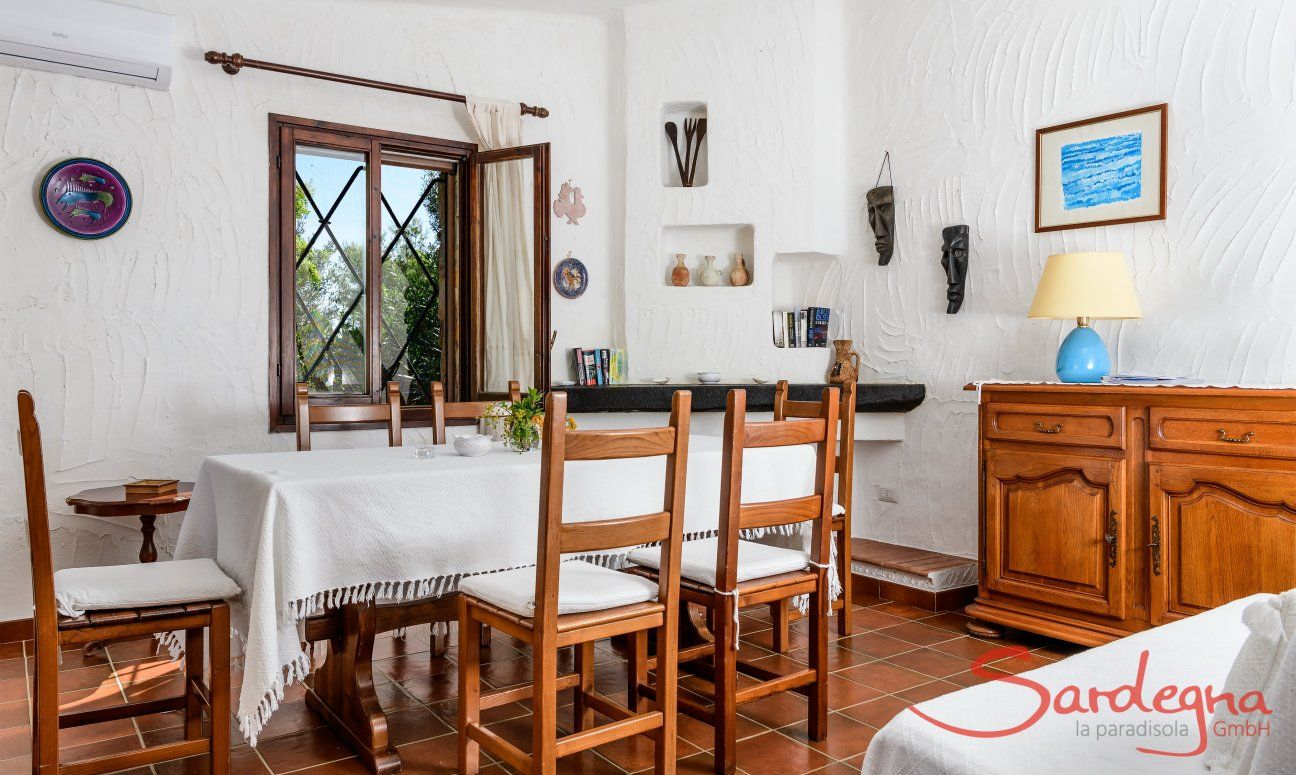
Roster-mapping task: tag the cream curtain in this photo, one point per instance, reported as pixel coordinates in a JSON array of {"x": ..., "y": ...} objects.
[{"x": 507, "y": 249}]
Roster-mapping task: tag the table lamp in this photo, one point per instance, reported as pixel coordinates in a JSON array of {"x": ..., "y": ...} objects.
[{"x": 1084, "y": 286}]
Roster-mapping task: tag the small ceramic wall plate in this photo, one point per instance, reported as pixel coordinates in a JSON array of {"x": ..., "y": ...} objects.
[
  {"x": 570, "y": 278},
  {"x": 85, "y": 198}
]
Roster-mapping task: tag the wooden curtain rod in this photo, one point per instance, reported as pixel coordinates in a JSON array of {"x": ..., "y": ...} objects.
[{"x": 232, "y": 63}]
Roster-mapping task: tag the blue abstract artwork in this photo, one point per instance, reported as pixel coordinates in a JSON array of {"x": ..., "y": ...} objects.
[{"x": 1102, "y": 171}]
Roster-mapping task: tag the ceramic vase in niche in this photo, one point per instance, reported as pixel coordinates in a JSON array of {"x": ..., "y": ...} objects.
[
  {"x": 739, "y": 276},
  {"x": 680, "y": 274},
  {"x": 709, "y": 274},
  {"x": 845, "y": 367}
]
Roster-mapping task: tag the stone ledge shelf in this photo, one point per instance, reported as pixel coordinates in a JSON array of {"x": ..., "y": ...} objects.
[
  {"x": 870, "y": 397},
  {"x": 880, "y": 406}
]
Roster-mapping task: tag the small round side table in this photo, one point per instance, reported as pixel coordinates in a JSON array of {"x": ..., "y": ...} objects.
[{"x": 112, "y": 502}]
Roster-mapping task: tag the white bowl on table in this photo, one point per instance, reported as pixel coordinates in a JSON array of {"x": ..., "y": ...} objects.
[
  {"x": 708, "y": 377},
  {"x": 472, "y": 444}
]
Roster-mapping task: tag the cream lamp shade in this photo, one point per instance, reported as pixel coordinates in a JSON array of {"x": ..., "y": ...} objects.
[{"x": 1085, "y": 285}]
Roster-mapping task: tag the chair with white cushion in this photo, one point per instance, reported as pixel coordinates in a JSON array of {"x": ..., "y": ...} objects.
[
  {"x": 80, "y": 605},
  {"x": 574, "y": 603},
  {"x": 784, "y": 408},
  {"x": 725, "y": 575}
]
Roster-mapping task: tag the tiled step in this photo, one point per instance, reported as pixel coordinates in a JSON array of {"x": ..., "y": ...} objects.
[{"x": 919, "y": 577}]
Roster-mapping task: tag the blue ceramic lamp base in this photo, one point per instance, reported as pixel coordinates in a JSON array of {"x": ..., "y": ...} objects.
[{"x": 1083, "y": 356}]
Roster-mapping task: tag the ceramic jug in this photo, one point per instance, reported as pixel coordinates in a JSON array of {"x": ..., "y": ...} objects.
[
  {"x": 680, "y": 274},
  {"x": 845, "y": 366},
  {"x": 709, "y": 275},
  {"x": 739, "y": 276}
]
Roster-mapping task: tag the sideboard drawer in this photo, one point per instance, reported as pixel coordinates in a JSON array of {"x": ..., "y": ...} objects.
[
  {"x": 1088, "y": 426},
  {"x": 1224, "y": 431}
]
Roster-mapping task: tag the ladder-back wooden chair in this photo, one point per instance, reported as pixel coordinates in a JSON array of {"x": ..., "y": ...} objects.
[
  {"x": 80, "y": 605},
  {"x": 575, "y": 603},
  {"x": 308, "y": 414},
  {"x": 725, "y": 574},
  {"x": 785, "y": 408},
  {"x": 443, "y": 410}
]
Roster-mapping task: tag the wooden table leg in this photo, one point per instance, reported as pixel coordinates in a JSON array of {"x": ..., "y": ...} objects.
[
  {"x": 148, "y": 551},
  {"x": 342, "y": 691}
]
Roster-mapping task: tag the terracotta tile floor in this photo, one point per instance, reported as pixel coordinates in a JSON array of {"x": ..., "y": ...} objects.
[{"x": 897, "y": 656}]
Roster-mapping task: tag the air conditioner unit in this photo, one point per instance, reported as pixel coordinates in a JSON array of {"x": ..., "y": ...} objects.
[{"x": 89, "y": 38}]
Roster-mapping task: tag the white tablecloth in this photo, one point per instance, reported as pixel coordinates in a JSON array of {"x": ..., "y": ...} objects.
[{"x": 300, "y": 531}]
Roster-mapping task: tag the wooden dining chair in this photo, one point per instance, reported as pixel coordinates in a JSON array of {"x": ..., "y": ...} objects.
[
  {"x": 76, "y": 606},
  {"x": 309, "y": 414},
  {"x": 558, "y": 604},
  {"x": 784, "y": 409},
  {"x": 443, "y": 410},
  {"x": 725, "y": 574}
]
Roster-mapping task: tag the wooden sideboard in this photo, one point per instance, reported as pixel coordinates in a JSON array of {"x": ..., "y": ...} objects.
[{"x": 1109, "y": 509}]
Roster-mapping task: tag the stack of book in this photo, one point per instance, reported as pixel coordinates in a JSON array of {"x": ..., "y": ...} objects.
[
  {"x": 801, "y": 327},
  {"x": 600, "y": 367}
]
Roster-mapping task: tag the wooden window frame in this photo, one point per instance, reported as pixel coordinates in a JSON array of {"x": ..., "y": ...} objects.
[{"x": 285, "y": 133}]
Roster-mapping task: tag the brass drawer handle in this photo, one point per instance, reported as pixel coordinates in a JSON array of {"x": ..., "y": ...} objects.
[
  {"x": 1155, "y": 546},
  {"x": 1243, "y": 439},
  {"x": 1113, "y": 539},
  {"x": 1039, "y": 426}
]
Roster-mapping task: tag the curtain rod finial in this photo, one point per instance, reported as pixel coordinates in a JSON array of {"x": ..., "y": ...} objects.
[
  {"x": 230, "y": 63},
  {"x": 536, "y": 111}
]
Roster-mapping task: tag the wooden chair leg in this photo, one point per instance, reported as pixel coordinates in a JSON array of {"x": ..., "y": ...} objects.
[
  {"x": 544, "y": 709},
  {"x": 818, "y": 705},
  {"x": 219, "y": 689},
  {"x": 583, "y": 715},
  {"x": 637, "y": 671},
  {"x": 846, "y": 618},
  {"x": 469, "y": 689},
  {"x": 667, "y": 686},
  {"x": 193, "y": 672},
  {"x": 726, "y": 686},
  {"x": 44, "y": 739},
  {"x": 779, "y": 615}
]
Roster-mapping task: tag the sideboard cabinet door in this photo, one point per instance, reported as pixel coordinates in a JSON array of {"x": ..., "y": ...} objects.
[
  {"x": 1218, "y": 534},
  {"x": 1055, "y": 529}
]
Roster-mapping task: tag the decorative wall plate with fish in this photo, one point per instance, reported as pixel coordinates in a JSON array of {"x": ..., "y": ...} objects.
[
  {"x": 570, "y": 277},
  {"x": 85, "y": 198}
]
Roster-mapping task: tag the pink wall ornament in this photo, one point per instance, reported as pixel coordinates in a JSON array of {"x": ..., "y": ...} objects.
[{"x": 570, "y": 204}]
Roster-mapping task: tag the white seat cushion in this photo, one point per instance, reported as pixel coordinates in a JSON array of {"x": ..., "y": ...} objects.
[
  {"x": 838, "y": 509},
  {"x": 698, "y": 560},
  {"x": 582, "y": 587},
  {"x": 140, "y": 585}
]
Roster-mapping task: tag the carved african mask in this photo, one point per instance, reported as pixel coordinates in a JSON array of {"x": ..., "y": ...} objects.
[
  {"x": 954, "y": 257},
  {"x": 881, "y": 215}
]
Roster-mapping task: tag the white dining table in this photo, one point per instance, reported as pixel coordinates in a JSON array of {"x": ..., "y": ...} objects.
[{"x": 303, "y": 532}]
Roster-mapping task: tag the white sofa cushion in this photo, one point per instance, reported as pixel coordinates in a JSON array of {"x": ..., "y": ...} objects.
[
  {"x": 1272, "y": 624},
  {"x": 140, "y": 585},
  {"x": 698, "y": 560},
  {"x": 582, "y": 587}
]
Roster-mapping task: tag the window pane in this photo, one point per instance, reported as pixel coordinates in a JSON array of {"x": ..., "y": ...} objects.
[
  {"x": 413, "y": 273},
  {"x": 331, "y": 260},
  {"x": 508, "y": 242}
]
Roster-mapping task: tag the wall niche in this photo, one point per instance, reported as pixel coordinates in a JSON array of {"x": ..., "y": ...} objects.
[
  {"x": 722, "y": 240},
  {"x": 693, "y": 156}
]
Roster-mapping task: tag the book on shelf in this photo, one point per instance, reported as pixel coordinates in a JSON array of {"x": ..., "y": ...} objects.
[
  {"x": 599, "y": 366},
  {"x": 806, "y": 327}
]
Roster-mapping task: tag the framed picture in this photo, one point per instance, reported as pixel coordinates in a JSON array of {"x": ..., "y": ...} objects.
[{"x": 1101, "y": 171}]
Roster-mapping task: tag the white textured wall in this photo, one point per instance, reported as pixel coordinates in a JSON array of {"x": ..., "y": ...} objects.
[
  {"x": 956, "y": 90},
  {"x": 770, "y": 74},
  {"x": 146, "y": 351}
]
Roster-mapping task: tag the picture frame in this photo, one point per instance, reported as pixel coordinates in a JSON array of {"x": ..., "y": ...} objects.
[{"x": 1102, "y": 171}]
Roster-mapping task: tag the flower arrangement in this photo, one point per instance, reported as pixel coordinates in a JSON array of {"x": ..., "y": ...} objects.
[{"x": 523, "y": 421}]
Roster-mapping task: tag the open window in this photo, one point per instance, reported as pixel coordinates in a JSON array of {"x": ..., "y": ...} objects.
[{"x": 402, "y": 258}]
